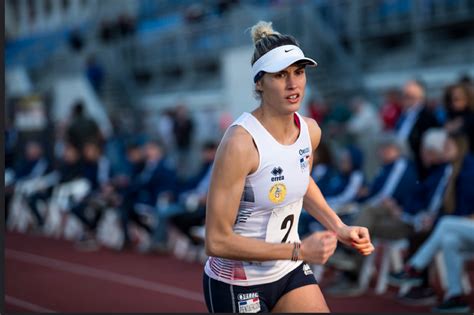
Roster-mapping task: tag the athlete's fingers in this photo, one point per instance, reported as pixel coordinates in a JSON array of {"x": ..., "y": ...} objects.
[{"x": 366, "y": 250}]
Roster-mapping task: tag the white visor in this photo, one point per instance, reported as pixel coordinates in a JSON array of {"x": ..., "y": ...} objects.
[{"x": 279, "y": 58}]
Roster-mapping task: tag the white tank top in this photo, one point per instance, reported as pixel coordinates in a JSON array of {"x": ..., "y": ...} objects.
[{"x": 271, "y": 204}]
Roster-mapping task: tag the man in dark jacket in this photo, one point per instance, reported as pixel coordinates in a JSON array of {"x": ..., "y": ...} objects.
[
  {"x": 155, "y": 178},
  {"x": 415, "y": 119}
]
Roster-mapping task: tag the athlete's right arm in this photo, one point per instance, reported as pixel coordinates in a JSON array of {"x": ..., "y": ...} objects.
[{"x": 236, "y": 157}]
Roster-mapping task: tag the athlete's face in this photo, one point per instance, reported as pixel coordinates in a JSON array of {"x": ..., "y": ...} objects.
[{"x": 284, "y": 90}]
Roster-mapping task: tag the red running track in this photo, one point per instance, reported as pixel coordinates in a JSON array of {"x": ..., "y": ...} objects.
[{"x": 48, "y": 275}]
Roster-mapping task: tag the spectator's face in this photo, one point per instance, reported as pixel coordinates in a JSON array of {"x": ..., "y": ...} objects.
[
  {"x": 412, "y": 94},
  {"x": 451, "y": 150},
  {"x": 33, "y": 151},
  {"x": 431, "y": 157},
  {"x": 71, "y": 155},
  {"x": 389, "y": 153},
  {"x": 91, "y": 152},
  {"x": 153, "y": 152},
  {"x": 458, "y": 99},
  {"x": 135, "y": 155}
]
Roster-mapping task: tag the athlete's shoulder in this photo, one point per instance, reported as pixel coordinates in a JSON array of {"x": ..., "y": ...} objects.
[
  {"x": 237, "y": 140},
  {"x": 312, "y": 124},
  {"x": 314, "y": 131}
]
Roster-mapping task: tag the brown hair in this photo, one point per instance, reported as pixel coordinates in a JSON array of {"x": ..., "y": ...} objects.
[
  {"x": 449, "y": 200},
  {"x": 448, "y": 93}
]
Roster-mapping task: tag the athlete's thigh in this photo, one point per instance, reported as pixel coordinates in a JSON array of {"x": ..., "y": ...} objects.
[{"x": 308, "y": 298}]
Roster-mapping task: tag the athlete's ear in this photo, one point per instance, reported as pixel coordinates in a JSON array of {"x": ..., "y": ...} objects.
[{"x": 259, "y": 85}]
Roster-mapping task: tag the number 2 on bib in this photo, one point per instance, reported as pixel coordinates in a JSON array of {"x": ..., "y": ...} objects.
[
  {"x": 287, "y": 221},
  {"x": 283, "y": 222}
]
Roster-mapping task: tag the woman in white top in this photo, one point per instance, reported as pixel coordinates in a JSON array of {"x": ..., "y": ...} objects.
[{"x": 260, "y": 181}]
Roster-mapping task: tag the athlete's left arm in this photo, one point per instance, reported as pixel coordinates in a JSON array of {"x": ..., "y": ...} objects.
[{"x": 315, "y": 204}]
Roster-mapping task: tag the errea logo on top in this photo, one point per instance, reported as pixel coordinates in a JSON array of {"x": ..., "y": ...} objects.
[{"x": 277, "y": 173}]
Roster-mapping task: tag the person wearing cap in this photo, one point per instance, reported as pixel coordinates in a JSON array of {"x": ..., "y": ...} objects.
[{"x": 259, "y": 183}]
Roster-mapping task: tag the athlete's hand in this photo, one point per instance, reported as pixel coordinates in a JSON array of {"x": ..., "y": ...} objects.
[
  {"x": 357, "y": 237},
  {"x": 318, "y": 247}
]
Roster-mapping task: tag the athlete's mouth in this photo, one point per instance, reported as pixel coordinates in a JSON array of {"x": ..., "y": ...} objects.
[{"x": 293, "y": 97}]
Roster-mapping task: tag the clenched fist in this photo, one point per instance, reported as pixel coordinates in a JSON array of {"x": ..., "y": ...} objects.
[{"x": 318, "y": 247}]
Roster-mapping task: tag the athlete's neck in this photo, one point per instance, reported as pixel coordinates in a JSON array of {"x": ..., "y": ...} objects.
[{"x": 281, "y": 126}]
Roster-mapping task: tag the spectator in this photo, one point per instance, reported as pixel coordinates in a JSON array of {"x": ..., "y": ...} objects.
[
  {"x": 323, "y": 173},
  {"x": 459, "y": 103},
  {"x": 458, "y": 200},
  {"x": 391, "y": 109},
  {"x": 183, "y": 127},
  {"x": 396, "y": 177},
  {"x": 82, "y": 128},
  {"x": 190, "y": 207},
  {"x": 165, "y": 128},
  {"x": 96, "y": 169},
  {"x": 34, "y": 165},
  {"x": 323, "y": 170},
  {"x": 68, "y": 170},
  {"x": 414, "y": 120},
  {"x": 155, "y": 179},
  {"x": 364, "y": 125},
  {"x": 318, "y": 110},
  {"x": 95, "y": 73},
  {"x": 345, "y": 187},
  {"x": 453, "y": 235},
  {"x": 391, "y": 220}
]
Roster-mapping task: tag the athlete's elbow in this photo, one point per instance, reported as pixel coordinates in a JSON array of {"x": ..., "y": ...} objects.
[{"x": 215, "y": 246}]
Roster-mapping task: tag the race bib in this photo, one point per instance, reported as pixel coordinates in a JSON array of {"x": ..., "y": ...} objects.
[{"x": 282, "y": 226}]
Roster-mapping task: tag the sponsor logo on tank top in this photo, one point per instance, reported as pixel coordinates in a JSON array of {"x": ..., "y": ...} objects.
[
  {"x": 277, "y": 174},
  {"x": 277, "y": 193},
  {"x": 304, "y": 158}
]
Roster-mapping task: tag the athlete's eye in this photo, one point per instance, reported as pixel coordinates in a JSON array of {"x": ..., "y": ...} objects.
[{"x": 300, "y": 71}]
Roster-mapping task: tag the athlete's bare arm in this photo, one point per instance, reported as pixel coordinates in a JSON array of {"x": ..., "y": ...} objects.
[
  {"x": 236, "y": 157},
  {"x": 316, "y": 205}
]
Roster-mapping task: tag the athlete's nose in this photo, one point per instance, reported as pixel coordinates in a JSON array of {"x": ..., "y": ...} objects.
[{"x": 290, "y": 82}]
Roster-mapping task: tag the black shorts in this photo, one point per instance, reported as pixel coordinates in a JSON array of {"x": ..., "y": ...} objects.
[{"x": 226, "y": 298}]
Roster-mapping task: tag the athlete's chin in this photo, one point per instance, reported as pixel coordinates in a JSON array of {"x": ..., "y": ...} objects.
[{"x": 292, "y": 107}]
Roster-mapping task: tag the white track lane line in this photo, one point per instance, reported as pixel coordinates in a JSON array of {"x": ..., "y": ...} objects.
[
  {"x": 103, "y": 275},
  {"x": 27, "y": 305}
]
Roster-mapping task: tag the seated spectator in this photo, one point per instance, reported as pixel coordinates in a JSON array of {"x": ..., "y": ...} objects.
[
  {"x": 391, "y": 109},
  {"x": 363, "y": 126},
  {"x": 395, "y": 179},
  {"x": 69, "y": 169},
  {"x": 345, "y": 187},
  {"x": 188, "y": 209},
  {"x": 324, "y": 170},
  {"x": 155, "y": 179},
  {"x": 96, "y": 169},
  {"x": 32, "y": 166},
  {"x": 323, "y": 173},
  {"x": 391, "y": 220},
  {"x": 453, "y": 235},
  {"x": 457, "y": 201},
  {"x": 459, "y": 104}
]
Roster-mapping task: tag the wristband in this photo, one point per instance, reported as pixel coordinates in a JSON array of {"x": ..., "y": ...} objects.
[{"x": 296, "y": 251}]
